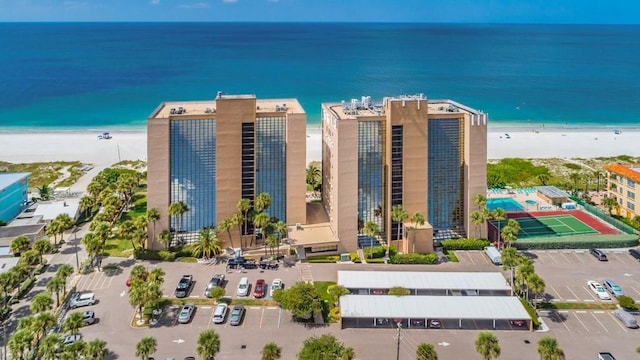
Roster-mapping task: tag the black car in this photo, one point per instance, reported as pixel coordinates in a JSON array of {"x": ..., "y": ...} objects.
[
  {"x": 599, "y": 254},
  {"x": 184, "y": 286},
  {"x": 635, "y": 253},
  {"x": 236, "y": 263},
  {"x": 216, "y": 281}
]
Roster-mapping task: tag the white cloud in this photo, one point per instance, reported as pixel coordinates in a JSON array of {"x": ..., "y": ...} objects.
[
  {"x": 200, "y": 5},
  {"x": 154, "y": 2}
]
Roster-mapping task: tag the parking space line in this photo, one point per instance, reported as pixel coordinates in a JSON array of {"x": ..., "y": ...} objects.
[
  {"x": 261, "y": 318},
  {"x": 538, "y": 257},
  {"x": 469, "y": 257},
  {"x": 565, "y": 257},
  {"x": 572, "y": 293},
  {"x": 578, "y": 257},
  {"x": 553, "y": 258},
  {"x": 559, "y": 318},
  {"x": 556, "y": 293},
  {"x": 599, "y": 322},
  {"x": 615, "y": 320},
  {"x": 636, "y": 290},
  {"x": 279, "y": 318},
  {"x": 593, "y": 296},
  {"x": 580, "y": 321}
]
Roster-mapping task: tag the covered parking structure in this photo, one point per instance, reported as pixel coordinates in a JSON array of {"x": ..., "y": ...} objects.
[
  {"x": 469, "y": 312},
  {"x": 425, "y": 283}
]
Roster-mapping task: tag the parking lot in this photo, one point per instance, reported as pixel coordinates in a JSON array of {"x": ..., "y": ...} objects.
[
  {"x": 566, "y": 272},
  {"x": 587, "y": 322}
]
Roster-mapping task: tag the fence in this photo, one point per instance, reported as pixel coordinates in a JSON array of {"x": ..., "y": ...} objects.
[{"x": 605, "y": 217}]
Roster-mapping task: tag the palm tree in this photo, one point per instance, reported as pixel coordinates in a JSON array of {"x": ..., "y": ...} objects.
[
  {"x": 8, "y": 281},
  {"x": 65, "y": 221},
  {"x": 20, "y": 244},
  {"x": 263, "y": 201},
  {"x": 125, "y": 231},
  {"x": 41, "y": 324},
  {"x": 549, "y": 350},
  {"x": 41, "y": 302},
  {"x": 152, "y": 216},
  {"x": 371, "y": 230},
  {"x": 29, "y": 258},
  {"x": 426, "y": 351},
  {"x": 138, "y": 272},
  {"x": 226, "y": 225},
  {"x": 52, "y": 230},
  {"x": 271, "y": 351},
  {"x": 523, "y": 272},
  {"x": 48, "y": 346},
  {"x": 510, "y": 259},
  {"x": 208, "y": 244},
  {"x": 272, "y": 242},
  {"x": 45, "y": 192},
  {"x": 313, "y": 177},
  {"x": 20, "y": 343},
  {"x": 480, "y": 200},
  {"x": 176, "y": 210},
  {"x": 64, "y": 271},
  {"x": 478, "y": 218},
  {"x": 260, "y": 221},
  {"x": 575, "y": 177},
  {"x": 416, "y": 219},
  {"x": 96, "y": 350},
  {"x": 73, "y": 322},
  {"x": 86, "y": 204},
  {"x": 597, "y": 174},
  {"x": 398, "y": 215},
  {"x": 146, "y": 347},
  {"x": 498, "y": 214},
  {"x": 164, "y": 238},
  {"x": 92, "y": 245},
  {"x": 55, "y": 286},
  {"x": 610, "y": 203},
  {"x": 139, "y": 234},
  {"x": 208, "y": 344},
  {"x": 510, "y": 231},
  {"x": 281, "y": 230},
  {"x": 42, "y": 246},
  {"x": 487, "y": 345},
  {"x": 244, "y": 206},
  {"x": 536, "y": 285}
]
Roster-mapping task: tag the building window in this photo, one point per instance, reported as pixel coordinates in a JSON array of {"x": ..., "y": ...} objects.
[
  {"x": 193, "y": 175},
  {"x": 631, "y": 183},
  {"x": 317, "y": 249},
  {"x": 370, "y": 174},
  {"x": 445, "y": 181},
  {"x": 396, "y": 173},
  {"x": 631, "y": 206},
  {"x": 271, "y": 163},
  {"x": 631, "y": 194}
]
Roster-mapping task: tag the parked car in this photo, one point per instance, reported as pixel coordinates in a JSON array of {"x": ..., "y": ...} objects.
[
  {"x": 613, "y": 287},
  {"x": 89, "y": 317},
  {"x": 216, "y": 281},
  {"x": 184, "y": 285},
  {"x": 605, "y": 356},
  {"x": 258, "y": 291},
  {"x": 236, "y": 316},
  {"x": 68, "y": 340},
  {"x": 243, "y": 287},
  {"x": 186, "y": 313},
  {"x": 82, "y": 299},
  {"x": 635, "y": 253},
  {"x": 598, "y": 290},
  {"x": 220, "y": 313},
  {"x": 277, "y": 284},
  {"x": 518, "y": 323},
  {"x": 434, "y": 324},
  {"x": 599, "y": 254},
  {"x": 626, "y": 318}
]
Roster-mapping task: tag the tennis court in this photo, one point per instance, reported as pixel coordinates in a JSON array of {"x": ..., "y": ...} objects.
[{"x": 553, "y": 225}]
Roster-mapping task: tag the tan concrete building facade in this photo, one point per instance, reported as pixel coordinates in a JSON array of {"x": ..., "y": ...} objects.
[
  {"x": 211, "y": 154},
  {"x": 623, "y": 185},
  {"x": 428, "y": 156}
]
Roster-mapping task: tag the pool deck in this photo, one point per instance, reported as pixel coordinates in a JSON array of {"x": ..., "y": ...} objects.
[{"x": 522, "y": 198}]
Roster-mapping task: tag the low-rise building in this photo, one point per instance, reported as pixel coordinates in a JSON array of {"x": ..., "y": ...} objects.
[
  {"x": 622, "y": 186},
  {"x": 14, "y": 190}
]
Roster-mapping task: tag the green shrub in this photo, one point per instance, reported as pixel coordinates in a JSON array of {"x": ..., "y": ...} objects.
[
  {"x": 26, "y": 286},
  {"x": 166, "y": 255},
  {"x": 375, "y": 261},
  {"x": 5, "y": 311},
  {"x": 378, "y": 252},
  {"x": 323, "y": 258},
  {"x": 627, "y": 302},
  {"x": 464, "y": 244},
  {"x": 40, "y": 268},
  {"x": 399, "y": 291},
  {"x": 451, "y": 256},
  {"x": 430, "y": 259},
  {"x": 146, "y": 254},
  {"x": 532, "y": 313},
  {"x": 354, "y": 257},
  {"x": 596, "y": 241}
]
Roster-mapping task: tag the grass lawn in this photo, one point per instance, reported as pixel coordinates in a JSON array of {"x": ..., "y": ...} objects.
[
  {"x": 44, "y": 173},
  {"x": 187, "y": 259},
  {"x": 577, "y": 306},
  {"x": 118, "y": 247},
  {"x": 139, "y": 207},
  {"x": 322, "y": 289}
]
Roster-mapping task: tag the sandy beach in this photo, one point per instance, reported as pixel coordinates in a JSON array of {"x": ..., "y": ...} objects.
[{"x": 84, "y": 146}]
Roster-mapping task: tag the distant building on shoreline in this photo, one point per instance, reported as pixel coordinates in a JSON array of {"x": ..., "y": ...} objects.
[
  {"x": 428, "y": 156},
  {"x": 211, "y": 154},
  {"x": 624, "y": 186},
  {"x": 14, "y": 192}
]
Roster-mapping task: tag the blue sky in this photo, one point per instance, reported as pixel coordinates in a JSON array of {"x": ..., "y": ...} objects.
[{"x": 482, "y": 11}]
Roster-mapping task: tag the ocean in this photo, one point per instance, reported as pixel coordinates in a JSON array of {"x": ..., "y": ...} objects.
[{"x": 104, "y": 76}]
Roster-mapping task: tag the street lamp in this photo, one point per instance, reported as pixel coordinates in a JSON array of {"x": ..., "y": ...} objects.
[{"x": 75, "y": 244}]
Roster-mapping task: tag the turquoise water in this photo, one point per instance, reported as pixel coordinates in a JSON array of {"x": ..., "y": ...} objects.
[
  {"x": 506, "y": 204},
  {"x": 106, "y": 75}
]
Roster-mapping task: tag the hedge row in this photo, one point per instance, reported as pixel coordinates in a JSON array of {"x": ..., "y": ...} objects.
[
  {"x": 162, "y": 255},
  {"x": 464, "y": 244},
  {"x": 378, "y": 252},
  {"x": 25, "y": 287},
  {"x": 554, "y": 243},
  {"x": 430, "y": 259}
]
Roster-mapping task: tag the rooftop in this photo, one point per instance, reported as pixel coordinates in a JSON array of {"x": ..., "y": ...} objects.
[
  {"x": 423, "y": 280},
  {"x": 207, "y": 108},
  {"x": 629, "y": 172},
  {"x": 7, "y": 179},
  {"x": 434, "y": 307},
  {"x": 365, "y": 107},
  {"x": 50, "y": 210},
  {"x": 7, "y": 263},
  {"x": 552, "y": 192},
  {"x": 311, "y": 234}
]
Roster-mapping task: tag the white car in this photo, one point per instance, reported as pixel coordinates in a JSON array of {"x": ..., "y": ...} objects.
[
  {"x": 276, "y": 285},
  {"x": 598, "y": 290}
]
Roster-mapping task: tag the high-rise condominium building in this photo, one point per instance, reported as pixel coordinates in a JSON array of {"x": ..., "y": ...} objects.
[
  {"x": 428, "y": 156},
  {"x": 211, "y": 154},
  {"x": 624, "y": 185}
]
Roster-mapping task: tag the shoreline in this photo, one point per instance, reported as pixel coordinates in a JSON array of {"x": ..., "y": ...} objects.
[{"x": 37, "y": 145}]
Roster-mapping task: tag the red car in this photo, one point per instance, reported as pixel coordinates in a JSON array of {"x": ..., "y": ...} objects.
[{"x": 258, "y": 291}]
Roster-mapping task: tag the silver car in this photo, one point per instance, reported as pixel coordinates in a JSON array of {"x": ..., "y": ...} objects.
[
  {"x": 613, "y": 288},
  {"x": 236, "y": 315},
  {"x": 186, "y": 313}
]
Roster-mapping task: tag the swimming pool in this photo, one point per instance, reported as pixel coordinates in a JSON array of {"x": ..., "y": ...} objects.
[
  {"x": 506, "y": 204},
  {"x": 531, "y": 202}
]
